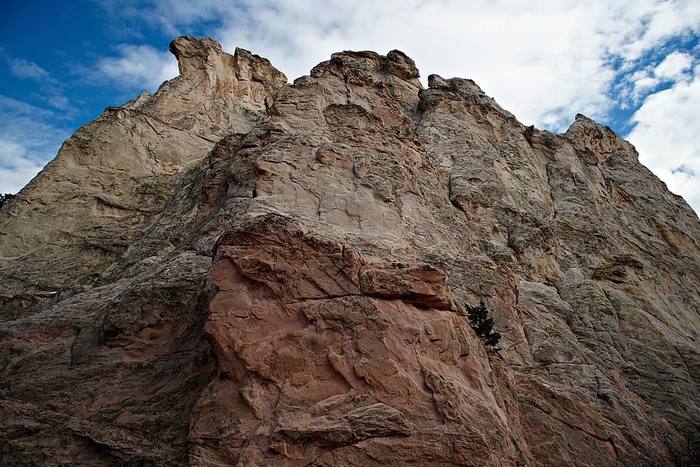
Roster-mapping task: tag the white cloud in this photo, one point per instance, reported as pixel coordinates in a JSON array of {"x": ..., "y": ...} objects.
[
  {"x": 644, "y": 84},
  {"x": 58, "y": 101},
  {"x": 25, "y": 69},
  {"x": 51, "y": 90},
  {"x": 16, "y": 168},
  {"x": 27, "y": 143},
  {"x": 135, "y": 67},
  {"x": 674, "y": 66},
  {"x": 666, "y": 136},
  {"x": 653, "y": 22}
]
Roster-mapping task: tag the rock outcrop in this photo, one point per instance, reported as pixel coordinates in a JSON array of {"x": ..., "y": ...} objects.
[
  {"x": 113, "y": 176},
  {"x": 241, "y": 271}
]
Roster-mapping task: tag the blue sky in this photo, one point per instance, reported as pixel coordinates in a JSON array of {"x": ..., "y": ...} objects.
[{"x": 633, "y": 65}]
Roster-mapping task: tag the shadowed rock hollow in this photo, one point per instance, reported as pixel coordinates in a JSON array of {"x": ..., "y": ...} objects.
[{"x": 240, "y": 271}]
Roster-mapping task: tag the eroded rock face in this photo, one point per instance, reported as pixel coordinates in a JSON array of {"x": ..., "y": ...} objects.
[
  {"x": 109, "y": 377},
  {"x": 115, "y": 174},
  {"x": 323, "y": 364},
  {"x": 296, "y": 296}
]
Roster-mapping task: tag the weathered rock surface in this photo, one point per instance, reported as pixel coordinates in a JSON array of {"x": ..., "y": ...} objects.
[
  {"x": 109, "y": 180},
  {"x": 248, "y": 272}
]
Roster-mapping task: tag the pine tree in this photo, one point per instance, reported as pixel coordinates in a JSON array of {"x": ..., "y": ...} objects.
[{"x": 482, "y": 324}]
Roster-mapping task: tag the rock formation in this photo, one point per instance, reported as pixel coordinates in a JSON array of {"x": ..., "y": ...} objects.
[{"x": 240, "y": 271}]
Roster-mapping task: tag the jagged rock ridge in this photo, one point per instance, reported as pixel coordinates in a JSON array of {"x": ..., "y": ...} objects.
[{"x": 237, "y": 270}]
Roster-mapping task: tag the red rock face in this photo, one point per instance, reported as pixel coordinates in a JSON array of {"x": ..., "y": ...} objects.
[
  {"x": 290, "y": 288},
  {"x": 331, "y": 360}
]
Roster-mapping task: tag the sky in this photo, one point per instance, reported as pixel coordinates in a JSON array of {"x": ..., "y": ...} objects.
[{"x": 633, "y": 65}]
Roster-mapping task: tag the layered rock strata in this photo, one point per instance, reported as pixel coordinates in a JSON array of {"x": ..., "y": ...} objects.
[{"x": 240, "y": 271}]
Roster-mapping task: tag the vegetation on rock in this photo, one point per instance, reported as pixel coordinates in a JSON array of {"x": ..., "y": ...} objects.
[{"x": 482, "y": 324}]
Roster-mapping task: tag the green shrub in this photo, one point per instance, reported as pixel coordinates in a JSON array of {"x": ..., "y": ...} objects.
[{"x": 482, "y": 324}]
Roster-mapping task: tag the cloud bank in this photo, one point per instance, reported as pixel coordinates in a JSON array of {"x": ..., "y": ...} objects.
[{"x": 667, "y": 134}]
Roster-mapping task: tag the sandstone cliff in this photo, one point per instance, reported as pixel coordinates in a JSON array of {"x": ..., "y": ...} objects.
[{"x": 240, "y": 271}]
